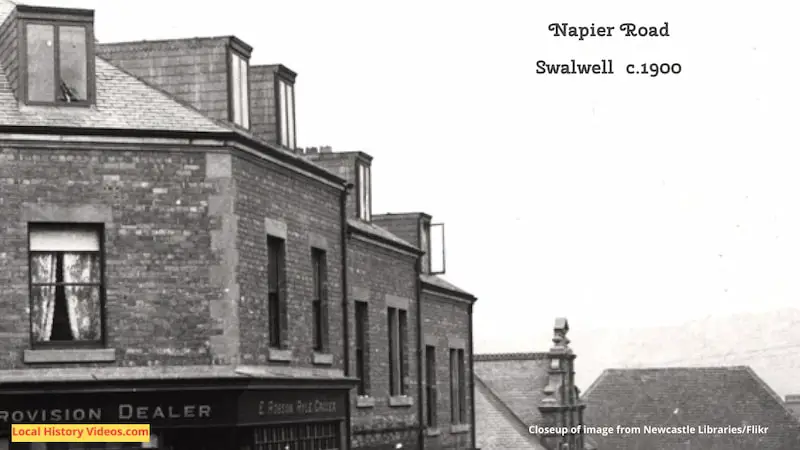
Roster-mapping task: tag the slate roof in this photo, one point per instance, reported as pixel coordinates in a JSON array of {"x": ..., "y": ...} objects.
[
  {"x": 497, "y": 427},
  {"x": 382, "y": 233},
  {"x": 715, "y": 396},
  {"x": 441, "y": 283},
  {"x": 516, "y": 379}
]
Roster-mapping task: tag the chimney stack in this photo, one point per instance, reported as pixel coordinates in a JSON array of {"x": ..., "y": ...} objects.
[
  {"x": 272, "y": 104},
  {"x": 198, "y": 71},
  {"x": 355, "y": 167}
]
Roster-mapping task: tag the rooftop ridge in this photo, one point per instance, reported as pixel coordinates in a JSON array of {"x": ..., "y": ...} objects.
[
  {"x": 533, "y": 356},
  {"x": 176, "y": 40},
  {"x": 677, "y": 368}
]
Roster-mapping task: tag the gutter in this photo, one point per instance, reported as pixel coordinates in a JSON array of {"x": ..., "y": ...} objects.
[
  {"x": 235, "y": 136},
  {"x": 420, "y": 351},
  {"x": 345, "y": 312},
  {"x": 473, "y": 432}
]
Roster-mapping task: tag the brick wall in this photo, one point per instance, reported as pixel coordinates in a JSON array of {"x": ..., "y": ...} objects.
[
  {"x": 374, "y": 273},
  {"x": 194, "y": 71},
  {"x": 185, "y": 250},
  {"x": 445, "y": 323},
  {"x": 310, "y": 212},
  {"x": 158, "y": 246}
]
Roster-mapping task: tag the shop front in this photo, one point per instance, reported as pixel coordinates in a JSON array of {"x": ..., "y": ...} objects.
[{"x": 209, "y": 416}]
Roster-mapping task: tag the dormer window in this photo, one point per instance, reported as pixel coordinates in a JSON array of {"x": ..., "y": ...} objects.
[
  {"x": 431, "y": 241},
  {"x": 58, "y": 67},
  {"x": 240, "y": 91},
  {"x": 286, "y": 113},
  {"x": 364, "y": 189}
]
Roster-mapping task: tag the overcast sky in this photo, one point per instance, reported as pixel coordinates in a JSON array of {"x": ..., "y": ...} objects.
[{"x": 613, "y": 200}]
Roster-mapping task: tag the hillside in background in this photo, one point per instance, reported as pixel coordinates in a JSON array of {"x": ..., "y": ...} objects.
[{"x": 767, "y": 342}]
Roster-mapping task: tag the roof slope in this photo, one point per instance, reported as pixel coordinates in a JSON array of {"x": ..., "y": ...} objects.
[
  {"x": 122, "y": 102},
  {"x": 374, "y": 230},
  {"x": 441, "y": 283},
  {"x": 496, "y": 427},
  {"x": 713, "y": 396},
  {"x": 517, "y": 380}
]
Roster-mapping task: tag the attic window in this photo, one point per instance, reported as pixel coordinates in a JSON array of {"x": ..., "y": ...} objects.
[
  {"x": 240, "y": 96},
  {"x": 286, "y": 113},
  {"x": 432, "y": 243},
  {"x": 58, "y": 69},
  {"x": 364, "y": 188}
]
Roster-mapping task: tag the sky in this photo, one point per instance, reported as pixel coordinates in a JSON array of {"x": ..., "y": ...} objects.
[{"x": 617, "y": 201}]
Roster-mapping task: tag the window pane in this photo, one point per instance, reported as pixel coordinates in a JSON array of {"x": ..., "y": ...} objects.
[
  {"x": 290, "y": 114},
  {"x": 436, "y": 248},
  {"x": 401, "y": 344},
  {"x": 274, "y": 249},
  {"x": 282, "y": 113},
  {"x": 236, "y": 83},
  {"x": 317, "y": 317},
  {"x": 425, "y": 247},
  {"x": 43, "y": 299},
  {"x": 43, "y": 268},
  {"x": 81, "y": 268},
  {"x": 83, "y": 305},
  {"x": 393, "y": 366},
  {"x": 362, "y": 188},
  {"x": 368, "y": 193},
  {"x": 64, "y": 240},
  {"x": 316, "y": 262},
  {"x": 41, "y": 63},
  {"x": 72, "y": 62},
  {"x": 274, "y": 320},
  {"x": 361, "y": 324},
  {"x": 245, "y": 94}
]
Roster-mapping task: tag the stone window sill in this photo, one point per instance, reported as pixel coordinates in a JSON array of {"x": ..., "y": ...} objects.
[
  {"x": 431, "y": 432},
  {"x": 459, "y": 428},
  {"x": 68, "y": 355},
  {"x": 365, "y": 401},
  {"x": 323, "y": 359},
  {"x": 280, "y": 355},
  {"x": 401, "y": 401}
]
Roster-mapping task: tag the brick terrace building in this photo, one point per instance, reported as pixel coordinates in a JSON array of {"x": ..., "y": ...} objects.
[
  {"x": 170, "y": 258},
  {"x": 433, "y": 343}
]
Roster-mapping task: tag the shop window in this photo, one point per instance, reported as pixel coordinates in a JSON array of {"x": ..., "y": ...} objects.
[{"x": 307, "y": 436}]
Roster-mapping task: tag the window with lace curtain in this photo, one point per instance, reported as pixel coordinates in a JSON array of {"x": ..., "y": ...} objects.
[{"x": 66, "y": 285}]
